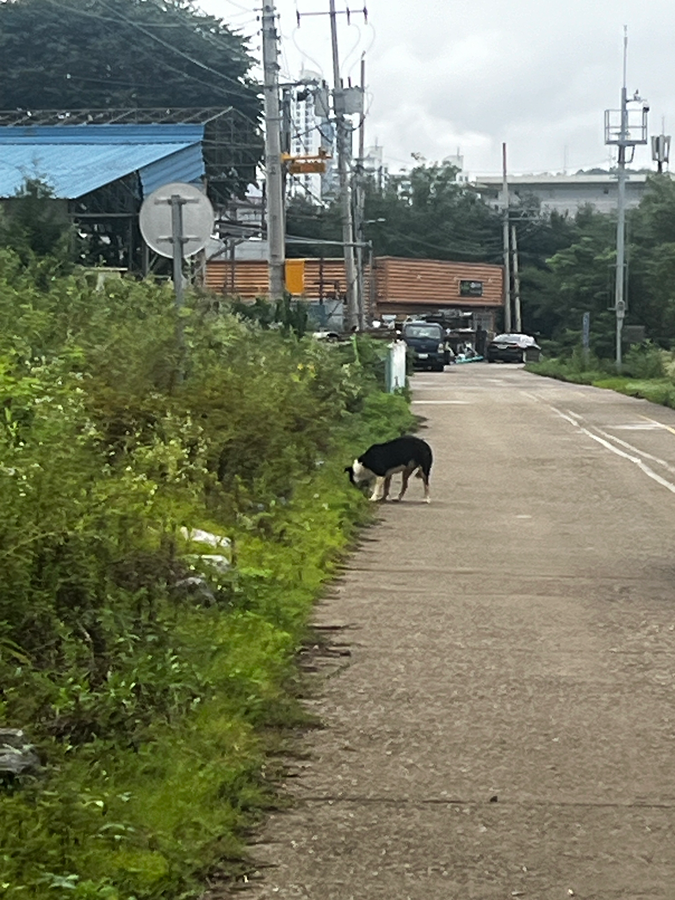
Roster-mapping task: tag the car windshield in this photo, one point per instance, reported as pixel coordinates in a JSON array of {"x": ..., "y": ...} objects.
[{"x": 422, "y": 331}]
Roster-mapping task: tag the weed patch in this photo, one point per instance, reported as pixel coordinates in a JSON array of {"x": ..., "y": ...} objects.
[
  {"x": 152, "y": 707},
  {"x": 656, "y": 387}
]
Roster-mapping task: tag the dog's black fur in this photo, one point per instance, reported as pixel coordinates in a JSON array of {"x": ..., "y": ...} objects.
[{"x": 381, "y": 461}]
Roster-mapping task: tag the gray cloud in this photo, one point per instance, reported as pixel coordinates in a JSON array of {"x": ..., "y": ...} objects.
[{"x": 536, "y": 74}]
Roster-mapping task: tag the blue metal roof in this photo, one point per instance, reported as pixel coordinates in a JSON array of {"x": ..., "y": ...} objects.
[{"x": 76, "y": 159}]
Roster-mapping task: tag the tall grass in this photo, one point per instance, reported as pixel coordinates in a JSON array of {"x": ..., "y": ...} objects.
[
  {"x": 647, "y": 372},
  {"x": 153, "y": 709}
]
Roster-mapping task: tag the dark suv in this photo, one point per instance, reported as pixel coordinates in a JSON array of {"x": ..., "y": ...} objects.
[{"x": 426, "y": 340}]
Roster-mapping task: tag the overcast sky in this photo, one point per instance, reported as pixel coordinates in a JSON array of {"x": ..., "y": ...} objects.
[{"x": 443, "y": 75}]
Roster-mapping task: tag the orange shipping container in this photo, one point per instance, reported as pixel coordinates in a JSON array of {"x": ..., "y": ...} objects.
[
  {"x": 433, "y": 282},
  {"x": 400, "y": 286},
  {"x": 249, "y": 278}
]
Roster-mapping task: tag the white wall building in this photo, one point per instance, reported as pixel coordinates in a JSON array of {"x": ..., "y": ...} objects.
[
  {"x": 374, "y": 165},
  {"x": 311, "y": 131},
  {"x": 457, "y": 160},
  {"x": 565, "y": 194}
]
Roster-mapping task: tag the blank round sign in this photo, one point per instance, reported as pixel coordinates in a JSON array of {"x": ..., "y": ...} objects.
[{"x": 155, "y": 218}]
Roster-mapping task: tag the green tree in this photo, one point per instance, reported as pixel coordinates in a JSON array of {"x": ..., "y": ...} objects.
[
  {"x": 429, "y": 214},
  {"x": 578, "y": 278},
  {"x": 68, "y": 54},
  {"x": 307, "y": 220},
  {"x": 35, "y": 225},
  {"x": 425, "y": 214},
  {"x": 651, "y": 294}
]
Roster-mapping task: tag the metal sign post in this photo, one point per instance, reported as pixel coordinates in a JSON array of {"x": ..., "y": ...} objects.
[
  {"x": 586, "y": 335},
  {"x": 177, "y": 239},
  {"x": 176, "y": 221}
]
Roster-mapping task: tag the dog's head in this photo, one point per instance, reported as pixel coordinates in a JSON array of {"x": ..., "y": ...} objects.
[{"x": 358, "y": 472}]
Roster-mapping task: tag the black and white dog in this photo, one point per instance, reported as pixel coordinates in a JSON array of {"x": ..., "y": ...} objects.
[{"x": 381, "y": 461}]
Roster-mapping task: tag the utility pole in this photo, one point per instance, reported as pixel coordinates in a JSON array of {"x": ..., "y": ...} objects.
[
  {"x": 507, "y": 252},
  {"x": 619, "y": 299},
  {"x": 516, "y": 279},
  {"x": 276, "y": 225},
  {"x": 620, "y": 131},
  {"x": 359, "y": 205},
  {"x": 343, "y": 172}
]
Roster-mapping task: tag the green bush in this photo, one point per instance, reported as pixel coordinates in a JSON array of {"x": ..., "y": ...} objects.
[
  {"x": 644, "y": 361},
  {"x": 644, "y": 373},
  {"x": 150, "y": 707}
]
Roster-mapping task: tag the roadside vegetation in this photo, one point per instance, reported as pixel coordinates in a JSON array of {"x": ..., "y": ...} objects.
[
  {"x": 153, "y": 673},
  {"x": 647, "y": 372},
  {"x": 567, "y": 262}
]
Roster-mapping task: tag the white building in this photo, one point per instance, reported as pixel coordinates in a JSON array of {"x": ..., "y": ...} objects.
[
  {"x": 565, "y": 194},
  {"x": 311, "y": 131},
  {"x": 374, "y": 165},
  {"x": 457, "y": 160}
]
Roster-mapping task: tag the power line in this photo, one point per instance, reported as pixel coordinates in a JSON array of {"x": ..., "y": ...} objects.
[
  {"x": 175, "y": 50},
  {"x": 117, "y": 18}
]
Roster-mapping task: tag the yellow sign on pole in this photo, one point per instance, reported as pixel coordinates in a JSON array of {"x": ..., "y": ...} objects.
[
  {"x": 295, "y": 276},
  {"x": 307, "y": 167},
  {"x": 298, "y": 165}
]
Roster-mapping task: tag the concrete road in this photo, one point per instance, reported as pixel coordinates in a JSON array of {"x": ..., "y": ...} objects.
[{"x": 505, "y": 725}]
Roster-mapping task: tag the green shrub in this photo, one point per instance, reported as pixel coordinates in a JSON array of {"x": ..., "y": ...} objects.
[
  {"x": 150, "y": 707},
  {"x": 644, "y": 361}
]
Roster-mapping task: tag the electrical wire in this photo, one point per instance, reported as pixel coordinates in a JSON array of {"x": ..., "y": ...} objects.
[
  {"x": 304, "y": 54},
  {"x": 455, "y": 242},
  {"x": 173, "y": 49},
  {"x": 345, "y": 60},
  {"x": 322, "y": 204},
  {"x": 245, "y": 9},
  {"x": 241, "y": 92}
]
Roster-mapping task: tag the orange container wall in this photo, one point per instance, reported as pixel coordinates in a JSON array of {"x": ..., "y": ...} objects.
[
  {"x": 400, "y": 285},
  {"x": 436, "y": 282},
  {"x": 248, "y": 278}
]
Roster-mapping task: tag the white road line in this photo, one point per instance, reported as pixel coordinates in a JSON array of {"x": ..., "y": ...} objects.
[
  {"x": 568, "y": 418},
  {"x": 660, "y": 424},
  {"x": 638, "y": 426},
  {"x": 613, "y": 437},
  {"x": 634, "y": 459},
  {"x": 444, "y": 402},
  {"x": 577, "y": 418}
]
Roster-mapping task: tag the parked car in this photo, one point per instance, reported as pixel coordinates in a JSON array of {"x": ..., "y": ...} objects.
[
  {"x": 512, "y": 348},
  {"x": 426, "y": 340}
]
